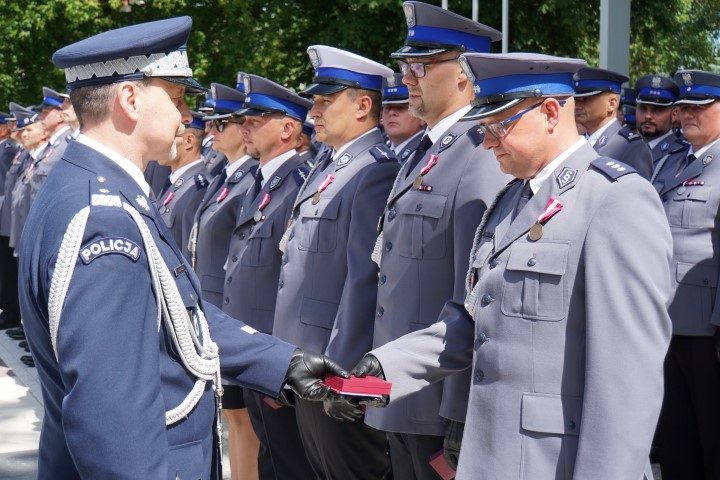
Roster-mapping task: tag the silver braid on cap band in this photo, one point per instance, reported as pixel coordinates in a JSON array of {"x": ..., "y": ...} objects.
[{"x": 173, "y": 64}]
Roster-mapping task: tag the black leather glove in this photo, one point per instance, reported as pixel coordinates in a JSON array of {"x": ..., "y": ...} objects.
[
  {"x": 286, "y": 398},
  {"x": 717, "y": 344},
  {"x": 307, "y": 371},
  {"x": 369, "y": 365},
  {"x": 342, "y": 409},
  {"x": 453, "y": 441}
]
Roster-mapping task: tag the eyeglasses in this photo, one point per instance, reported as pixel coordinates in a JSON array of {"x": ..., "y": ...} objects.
[
  {"x": 417, "y": 69},
  {"x": 498, "y": 129},
  {"x": 220, "y": 123}
]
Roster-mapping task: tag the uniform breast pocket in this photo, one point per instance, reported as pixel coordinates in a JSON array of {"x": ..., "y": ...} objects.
[
  {"x": 186, "y": 461},
  {"x": 421, "y": 217},
  {"x": 260, "y": 248},
  {"x": 319, "y": 226},
  {"x": 535, "y": 286},
  {"x": 690, "y": 210}
]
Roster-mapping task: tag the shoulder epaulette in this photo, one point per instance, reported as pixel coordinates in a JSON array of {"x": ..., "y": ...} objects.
[
  {"x": 383, "y": 154},
  {"x": 300, "y": 174},
  {"x": 612, "y": 168},
  {"x": 477, "y": 137},
  {"x": 629, "y": 135}
]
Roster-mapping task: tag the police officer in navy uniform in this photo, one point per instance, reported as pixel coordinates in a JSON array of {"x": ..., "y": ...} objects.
[
  {"x": 436, "y": 203},
  {"x": 10, "y": 315},
  {"x": 126, "y": 357},
  {"x": 597, "y": 94},
  {"x": 403, "y": 130},
  {"x": 273, "y": 124},
  {"x": 689, "y": 428},
  {"x": 328, "y": 282},
  {"x": 187, "y": 182},
  {"x": 656, "y": 95},
  {"x": 565, "y": 346}
]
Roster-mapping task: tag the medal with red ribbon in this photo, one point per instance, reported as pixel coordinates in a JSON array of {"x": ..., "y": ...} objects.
[
  {"x": 223, "y": 193},
  {"x": 325, "y": 183},
  {"x": 418, "y": 182},
  {"x": 553, "y": 206},
  {"x": 264, "y": 203},
  {"x": 168, "y": 198}
]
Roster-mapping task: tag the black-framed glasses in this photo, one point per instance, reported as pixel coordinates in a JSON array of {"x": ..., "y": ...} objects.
[
  {"x": 417, "y": 69},
  {"x": 498, "y": 129},
  {"x": 219, "y": 123}
]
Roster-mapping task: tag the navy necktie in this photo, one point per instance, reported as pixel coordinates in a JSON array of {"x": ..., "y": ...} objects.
[
  {"x": 258, "y": 183},
  {"x": 526, "y": 194},
  {"x": 420, "y": 151}
]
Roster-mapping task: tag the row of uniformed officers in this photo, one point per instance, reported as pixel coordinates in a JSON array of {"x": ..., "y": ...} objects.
[{"x": 522, "y": 303}]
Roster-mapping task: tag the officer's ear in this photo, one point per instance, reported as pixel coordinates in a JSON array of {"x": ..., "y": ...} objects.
[
  {"x": 613, "y": 101},
  {"x": 552, "y": 109},
  {"x": 363, "y": 105},
  {"x": 127, "y": 100},
  {"x": 189, "y": 140},
  {"x": 287, "y": 130}
]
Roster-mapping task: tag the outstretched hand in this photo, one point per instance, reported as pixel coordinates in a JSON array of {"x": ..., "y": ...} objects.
[{"x": 307, "y": 371}]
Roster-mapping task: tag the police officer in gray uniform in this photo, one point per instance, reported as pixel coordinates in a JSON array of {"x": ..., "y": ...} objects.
[
  {"x": 566, "y": 347},
  {"x": 10, "y": 316},
  {"x": 328, "y": 283},
  {"x": 273, "y": 124},
  {"x": 689, "y": 428},
  {"x": 404, "y": 131},
  {"x": 435, "y": 206},
  {"x": 187, "y": 182},
  {"x": 59, "y": 133},
  {"x": 597, "y": 98}
]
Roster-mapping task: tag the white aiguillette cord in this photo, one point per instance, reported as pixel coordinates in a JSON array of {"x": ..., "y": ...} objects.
[{"x": 199, "y": 354}]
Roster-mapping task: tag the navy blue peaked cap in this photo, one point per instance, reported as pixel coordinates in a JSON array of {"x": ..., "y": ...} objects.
[
  {"x": 628, "y": 96},
  {"x": 51, "y": 99},
  {"x": 433, "y": 30},
  {"x": 197, "y": 120},
  {"x": 265, "y": 96},
  {"x": 697, "y": 87},
  {"x": 227, "y": 100},
  {"x": 656, "y": 90},
  {"x": 147, "y": 50},
  {"x": 591, "y": 81},
  {"x": 394, "y": 91}
]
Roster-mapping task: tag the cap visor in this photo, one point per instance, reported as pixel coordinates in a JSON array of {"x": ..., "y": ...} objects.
[
  {"x": 587, "y": 94},
  {"x": 484, "y": 111},
  {"x": 192, "y": 87},
  {"x": 251, "y": 112},
  {"x": 396, "y": 101},
  {"x": 411, "y": 51},
  {"x": 322, "y": 89},
  {"x": 217, "y": 116},
  {"x": 694, "y": 101},
  {"x": 659, "y": 103}
]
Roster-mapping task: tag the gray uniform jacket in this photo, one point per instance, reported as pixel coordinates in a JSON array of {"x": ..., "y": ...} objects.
[
  {"x": 185, "y": 194},
  {"x": 328, "y": 285},
  {"x": 623, "y": 144},
  {"x": 251, "y": 278},
  {"x": 16, "y": 168},
  {"x": 567, "y": 335},
  {"x": 668, "y": 145},
  {"x": 411, "y": 146},
  {"x": 42, "y": 169},
  {"x": 433, "y": 231},
  {"x": 8, "y": 150},
  {"x": 215, "y": 221},
  {"x": 691, "y": 200},
  {"x": 20, "y": 199}
]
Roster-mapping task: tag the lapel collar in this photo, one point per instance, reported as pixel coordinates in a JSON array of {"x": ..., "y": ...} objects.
[
  {"x": 563, "y": 179},
  {"x": 607, "y": 135},
  {"x": 689, "y": 172},
  {"x": 357, "y": 148},
  {"x": 249, "y": 207}
]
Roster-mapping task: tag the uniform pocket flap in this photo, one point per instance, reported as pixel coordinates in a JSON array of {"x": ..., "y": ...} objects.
[
  {"x": 700, "y": 275},
  {"x": 318, "y": 313},
  {"x": 546, "y": 413},
  {"x": 427, "y": 204},
  {"x": 326, "y": 208},
  {"x": 186, "y": 461},
  {"x": 544, "y": 257},
  {"x": 697, "y": 194},
  {"x": 263, "y": 230}
]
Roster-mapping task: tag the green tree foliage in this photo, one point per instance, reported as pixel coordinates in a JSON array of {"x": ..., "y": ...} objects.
[{"x": 270, "y": 37}]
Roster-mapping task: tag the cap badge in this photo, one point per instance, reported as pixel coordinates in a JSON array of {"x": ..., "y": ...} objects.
[
  {"x": 707, "y": 159},
  {"x": 179, "y": 182},
  {"x": 656, "y": 82},
  {"x": 246, "y": 84},
  {"x": 314, "y": 58},
  {"x": 391, "y": 81},
  {"x": 687, "y": 79},
  {"x": 213, "y": 91},
  {"x": 409, "y": 10}
]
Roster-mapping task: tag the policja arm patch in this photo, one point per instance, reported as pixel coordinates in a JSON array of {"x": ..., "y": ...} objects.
[{"x": 109, "y": 245}]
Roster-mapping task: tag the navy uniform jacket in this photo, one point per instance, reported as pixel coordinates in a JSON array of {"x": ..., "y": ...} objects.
[
  {"x": 215, "y": 221},
  {"x": 566, "y": 335},
  {"x": 214, "y": 160},
  {"x": 183, "y": 195},
  {"x": 8, "y": 150},
  {"x": 254, "y": 260},
  {"x": 328, "y": 285},
  {"x": 692, "y": 200},
  {"x": 623, "y": 144},
  {"x": 43, "y": 168},
  {"x": 105, "y": 401},
  {"x": 431, "y": 233},
  {"x": 20, "y": 198},
  {"x": 11, "y": 177},
  {"x": 411, "y": 146},
  {"x": 156, "y": 176}
]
